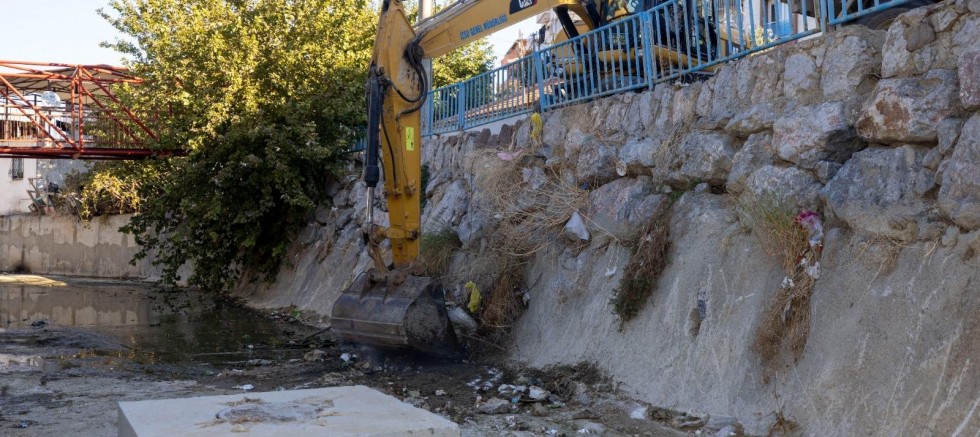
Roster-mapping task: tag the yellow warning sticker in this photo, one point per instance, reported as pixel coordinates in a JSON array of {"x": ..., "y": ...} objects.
[{"x": 409, "y": 139}]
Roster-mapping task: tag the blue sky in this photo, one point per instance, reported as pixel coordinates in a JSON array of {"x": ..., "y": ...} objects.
[
  {"x": 69, "y": 31},
  {"x": 66, "y": 31}
]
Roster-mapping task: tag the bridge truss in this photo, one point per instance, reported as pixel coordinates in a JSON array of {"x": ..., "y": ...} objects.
[{"x": 67, "y": 111}]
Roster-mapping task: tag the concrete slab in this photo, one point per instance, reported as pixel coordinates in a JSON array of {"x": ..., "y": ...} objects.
[{"x": 334, "y": 411}]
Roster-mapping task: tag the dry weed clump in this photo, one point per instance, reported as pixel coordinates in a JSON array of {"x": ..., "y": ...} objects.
[
  {"x": 437, "y": 250},
  {"x": 881, "y": 253},
  {"x": 773, "y": 222},
  {"x": 646, "y": 265},
  {"x": 531, "y": 203},
  {"x": 786, "y": 320},
  {"x": 504, "y": 298}
]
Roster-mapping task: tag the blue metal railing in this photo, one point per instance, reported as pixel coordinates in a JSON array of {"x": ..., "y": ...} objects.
[
  {"x": 675, "y": 39},
  {"x": 440, "y": 113},
  {"x": 608, "y": 60},
  {"x": 842, "y": 11}
]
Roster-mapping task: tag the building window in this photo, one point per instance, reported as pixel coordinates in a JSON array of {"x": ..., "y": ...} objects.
[{"x": 17, "y": 168}]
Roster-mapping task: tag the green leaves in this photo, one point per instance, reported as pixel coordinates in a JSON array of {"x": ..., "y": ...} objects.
[{"x": 268, "y": 94}]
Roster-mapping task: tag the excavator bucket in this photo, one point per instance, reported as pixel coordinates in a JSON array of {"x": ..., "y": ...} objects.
[{"x": 407, "y": 315}]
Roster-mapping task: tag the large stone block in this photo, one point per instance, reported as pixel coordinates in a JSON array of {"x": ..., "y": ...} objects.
[
  {"x": 875, "y": 192},
  {"x": 706, "y": 156},
  {"x": 724, "y": 100},
  {"x": 959, "y": 194},
  {"x": 811, "y": 134},
  {"x": 852, "y": 61},
  {"x": 555, "y": 127},
  {"x": 755, "y": 153},
  {"x": 756, "y": 119},
  {"x": 969, "y": 73},
  {"x": 912, "y": 46},
  {"x": 596, "y": 164},
  {"x": 448, "y": 209},
  {"x": 789, "y": 185},
  {"x": 801, "y": 79},
  {"x": 622, "y": 207},
  {"x": 639, "y": 153},
  {"x": 684, "y": 103},
  {"x": 908, "y": 110},
  {"x": 768, "y": 71}
]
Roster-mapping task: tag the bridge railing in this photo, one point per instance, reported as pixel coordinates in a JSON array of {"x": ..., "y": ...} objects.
[{"x": 677, "y": 39}]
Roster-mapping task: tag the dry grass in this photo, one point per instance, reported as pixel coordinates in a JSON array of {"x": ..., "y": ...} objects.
[
  {"x": 785, "y": 322},
  {"x": 646, "y": 265},
  {"x": 530, "y": 213},
  {"x": 530, "y": 205},
  {"x": 503, "y": 301},
  {"x": 437, "y": 250},
  {"x": 561, "y": 380},
  {"x": 773, "y": 223},
  {"x": 784, "y": 427},
  {"x": 881, "y": 253}
]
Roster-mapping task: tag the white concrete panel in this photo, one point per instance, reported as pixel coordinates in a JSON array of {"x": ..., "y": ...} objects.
[{"x": 334, "y": 411}]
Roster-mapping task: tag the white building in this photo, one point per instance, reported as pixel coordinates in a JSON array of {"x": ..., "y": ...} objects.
[{"x": 18, "y": 130}]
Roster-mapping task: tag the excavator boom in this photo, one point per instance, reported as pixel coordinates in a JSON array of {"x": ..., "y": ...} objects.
[{"x": 395, "y": 307}]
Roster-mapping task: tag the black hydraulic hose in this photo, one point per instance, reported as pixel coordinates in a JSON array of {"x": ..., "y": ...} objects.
[{"x": 372, "y": 173}]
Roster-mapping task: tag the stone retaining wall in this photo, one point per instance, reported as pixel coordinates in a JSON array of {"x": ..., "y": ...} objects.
[{"x": 878, "y": 132}]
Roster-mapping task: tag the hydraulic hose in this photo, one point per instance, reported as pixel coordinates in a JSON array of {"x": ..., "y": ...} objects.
[{"x": 372, "y": 173}]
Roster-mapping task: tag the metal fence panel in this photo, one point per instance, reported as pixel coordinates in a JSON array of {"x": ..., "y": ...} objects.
[
  {"x": 842, "y": 11},
  {"x": 608, "y": 60},
  {"x": 674, "y": 40},
  {"x": 500, "y": 93},
  {"x": 696, "y": 35},
  {"x": 440, "y": 114}
]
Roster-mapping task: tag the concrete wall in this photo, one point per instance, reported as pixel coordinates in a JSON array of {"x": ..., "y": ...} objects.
[{"x": 64, "y": 246}]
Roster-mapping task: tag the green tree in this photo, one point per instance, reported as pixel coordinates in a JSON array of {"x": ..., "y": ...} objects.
[
  {"x": 462, "y": 63},
  {"x": 267, "y": 94}
]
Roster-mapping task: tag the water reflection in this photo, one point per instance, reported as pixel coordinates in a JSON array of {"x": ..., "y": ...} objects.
[
  {"x": 23, "y": 305},
  {"x": 160, "y": 327}
]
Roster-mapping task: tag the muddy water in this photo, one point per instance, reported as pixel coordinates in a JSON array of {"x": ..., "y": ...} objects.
[{"x": 159, "y": 327}]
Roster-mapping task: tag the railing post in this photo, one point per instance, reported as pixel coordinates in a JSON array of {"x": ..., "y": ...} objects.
[
  {"x": 646, "y": 33},
  {"x": 461, "y": 102},
  {"x": 430, "y": 104},
  {"x": 824, "y": 17},
  {"x": 539, "y": 72}
]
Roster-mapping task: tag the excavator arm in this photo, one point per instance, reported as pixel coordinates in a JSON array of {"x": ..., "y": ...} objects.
[
  {"x": 395, "y": 307},
  {"x": 397, "y": 88}
]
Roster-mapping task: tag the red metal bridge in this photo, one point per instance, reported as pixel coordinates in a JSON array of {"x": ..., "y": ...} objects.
[{"x": 65, "y": 111}]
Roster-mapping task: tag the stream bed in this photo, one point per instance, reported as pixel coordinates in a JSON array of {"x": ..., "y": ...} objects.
[{"x": 72, "y": 348}]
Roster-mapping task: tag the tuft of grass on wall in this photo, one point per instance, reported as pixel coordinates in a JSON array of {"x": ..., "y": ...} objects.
[
  {"x": 772, "y": 221},
  {"x": 785, "y": 324},
  {"x": 646, "y": 265},
  {"x": 437, "y": 250}
]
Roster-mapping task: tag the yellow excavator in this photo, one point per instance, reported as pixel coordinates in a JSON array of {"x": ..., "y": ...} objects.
[{"x": 395, "y": 306}]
